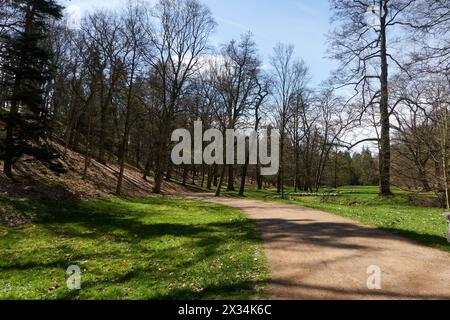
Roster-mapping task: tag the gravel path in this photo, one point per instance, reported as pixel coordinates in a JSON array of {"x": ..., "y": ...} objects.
[{"x": 316, "y": 255}]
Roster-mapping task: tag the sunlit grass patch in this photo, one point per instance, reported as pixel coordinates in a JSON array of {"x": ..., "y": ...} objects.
[{"x": 160, "y": 248}]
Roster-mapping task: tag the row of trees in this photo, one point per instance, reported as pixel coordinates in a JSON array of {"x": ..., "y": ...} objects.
[{"x": 117, "y": 87}]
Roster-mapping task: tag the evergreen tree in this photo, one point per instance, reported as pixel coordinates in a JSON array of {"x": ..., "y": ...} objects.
[
  {"x": 364, "y": 168},
  {"x": 26, "y": 62}
]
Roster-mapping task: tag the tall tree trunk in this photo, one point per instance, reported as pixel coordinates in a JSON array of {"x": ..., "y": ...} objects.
[
  {"x": 244, "y": 177},
  {"x": 138, "y": 153},
  {"x": 220, "y": 183},
  {"x": 169, "y": 171},
  {"x": 123, "y": 153},
  {"x": 10, "y": 126},
  {"x": 230, "y": 178},
  {"x": 203, "y": 175},
  {"x": 102, "y": 146},
  {"x": 335, "y": 169},
  {"x": 280, "y": 177},
  {"x": 194, "y": 174},
  {"x": 215, "y": 173},
  {"x": 9, "y": 143},
  {"x": 126, "y": 134},
  {"x": 87, "y": 155},
  {"x": 259, "y": 177},
  {"x": 210, "y": 177},
  {"x": 297, "y": 168},
  {"x": 147, "y": 167},
  {"x": 158, "y": 179},
  {"x": 279, "y": 181},
  {"x": 445, "y": 158},
  {"x": 8, "y": 163},
  {"x": 385, "y": 143},
  {"x": 185, "y": 174},
  {"x": 160, "y": 162}
]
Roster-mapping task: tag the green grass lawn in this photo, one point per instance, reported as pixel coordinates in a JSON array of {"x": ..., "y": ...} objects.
[
  {"x": 396, "y": 214},
  {"x": 161, "y": 248}
]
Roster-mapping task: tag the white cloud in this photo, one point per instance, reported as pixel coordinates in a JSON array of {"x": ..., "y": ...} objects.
[
  {"x": 232, "y": 23},
  {"x": 73, "y": 15}
]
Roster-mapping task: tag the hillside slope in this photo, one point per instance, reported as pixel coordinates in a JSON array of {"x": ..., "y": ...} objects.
[{"x": 36, "y": 179}]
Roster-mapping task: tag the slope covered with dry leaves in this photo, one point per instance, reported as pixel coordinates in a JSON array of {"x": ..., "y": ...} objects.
[{"x": 37, "y": 179}]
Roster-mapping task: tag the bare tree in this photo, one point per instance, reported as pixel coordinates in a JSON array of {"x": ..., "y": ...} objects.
[
  {"x": 236, "y": 81},
  {"x": 335, "y": 119},
  {"x": 103, "y": 29},
  {"x": 133, "y": 37},
  {"x": 289, "y": 76},
  {"x": 178, "y": 39},
  {"x": 366, "y": 53},
  {"x": 261, "y": 93}
]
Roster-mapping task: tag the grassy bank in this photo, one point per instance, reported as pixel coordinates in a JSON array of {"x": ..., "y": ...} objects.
[
  {"x": 397, "y": 214},
  {"x": 161, "y": 248}
]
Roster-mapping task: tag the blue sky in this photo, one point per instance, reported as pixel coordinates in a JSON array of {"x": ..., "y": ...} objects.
[{"x": 302, "y": 23}]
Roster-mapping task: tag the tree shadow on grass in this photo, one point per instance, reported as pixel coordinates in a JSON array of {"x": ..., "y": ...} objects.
[
  {"x": 120, "y": 223},
  {"x": 116, "y": 230},
  {"x": 221, "y": 291},
  {"x": 230, "y": 291},
  {"x": 31, "y": 186},
  {"x": 90, "y": 219}
]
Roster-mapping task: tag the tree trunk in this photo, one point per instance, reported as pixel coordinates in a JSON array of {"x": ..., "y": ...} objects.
[
  {"x": 87, "y": 156},
  {"x": 279, "y": 181},
  {"x": 8, "y": 163},
  {"x": 243, "y": 178},
  {"x": 194, "y": 174},
  {"x": 423, "y": 179},
  {"x": 230, "y": 178},
  {"x": 102, "y": 146},
  {"x": 215, "y": 182},
  {"x": 185, "y": 174},
  {"x": 385, "y": 143},
  {"x": 138, "y": 153},
  {"x": 335, "y": 170},
  {"x": 445, "y": 158},
  {"x": 126, "y": 134},
  {"x": 220, "y": 183},
  {"x": 280, "y": 177},
  {"x": 259, "y": 177},
  {"x": 123, "y": 154},
  {"x": 160, "y": 163},
  {"x": 297, "y": 168},
  {"x": 147, "y": 168},
  {"x": 203, "y": 175},
  {"x": 158, "y": 180},
  {"x": 169, "y": 171},
  {"x": 210, "y": 177},
  {"x": 10, "y": 126}
]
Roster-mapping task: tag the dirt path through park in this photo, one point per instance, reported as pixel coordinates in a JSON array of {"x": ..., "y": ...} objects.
[{"x": 316, "y": 255}]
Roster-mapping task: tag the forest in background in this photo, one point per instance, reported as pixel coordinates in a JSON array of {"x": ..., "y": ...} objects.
[{"x": 115, "y": 88}]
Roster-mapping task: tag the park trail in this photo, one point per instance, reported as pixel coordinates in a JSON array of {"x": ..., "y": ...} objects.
[{"x": 316, "y": 255}]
